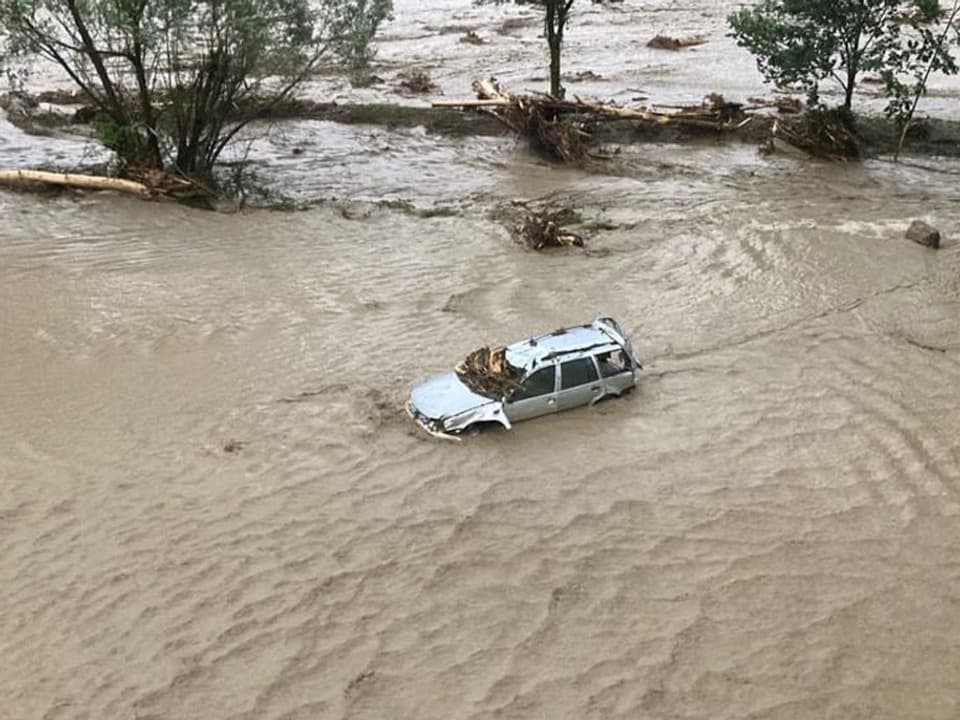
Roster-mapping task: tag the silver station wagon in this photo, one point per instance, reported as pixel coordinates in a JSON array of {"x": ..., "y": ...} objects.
[{"x": 558, "y": 371}]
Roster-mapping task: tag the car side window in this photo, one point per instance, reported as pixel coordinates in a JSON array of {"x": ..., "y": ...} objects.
[
  {"x": 612, "y": 363},
  {"x": 577, "y": 372},
  {"x": 539, "y": 383}
]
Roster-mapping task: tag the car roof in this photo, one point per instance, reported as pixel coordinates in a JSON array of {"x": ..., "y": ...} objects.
[{"x": 529, "y": 353}]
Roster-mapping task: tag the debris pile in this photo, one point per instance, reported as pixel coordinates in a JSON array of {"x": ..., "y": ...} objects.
[
  {"x": 560, "y": 126},
  {"x": 161, "y": 184},
  {"x": 722, "y": 109},
  {"x": 537, "y": 119},
  {"x": 822, "y": 133},
  {"x": 487, "y": 372},
  {"x": 416, "y": 82},
  {"x": 543, "y": 229}
]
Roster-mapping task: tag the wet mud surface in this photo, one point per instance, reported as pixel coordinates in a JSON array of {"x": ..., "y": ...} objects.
[{"x": 213, "y": 505}]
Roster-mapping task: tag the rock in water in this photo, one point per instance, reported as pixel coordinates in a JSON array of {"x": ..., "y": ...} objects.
[{"x": 923, "y": 234}]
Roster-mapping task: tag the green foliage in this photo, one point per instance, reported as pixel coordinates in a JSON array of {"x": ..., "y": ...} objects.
[
  {"x": 127, "y": 141},
  {"x": 175, "y": 81},
  {"x": 905, "y": 66},
  {"x": 804, "y": 42},
  {"x": 352, "y": 25}
]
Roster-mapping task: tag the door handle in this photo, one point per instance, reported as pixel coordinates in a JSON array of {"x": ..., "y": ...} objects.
[
  {"x": 596, "y": 388},
  {"x": 552, "y": 401}
]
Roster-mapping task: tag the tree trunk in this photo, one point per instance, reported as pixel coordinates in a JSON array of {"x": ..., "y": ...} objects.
[
  {"x": 853, "y": 67},
  {"x": 115, "y": 106},
  {"x": 556, "y": 89},
  {"x": 551, "y": 24},
  {"x": 851, "y": 82},
  {"x": 155, "y": 157}
]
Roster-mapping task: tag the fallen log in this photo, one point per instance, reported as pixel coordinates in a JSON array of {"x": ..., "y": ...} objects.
[
  {"x": 665, "y": 42},
  {"x": 147, "y": 183},
  {"x": 714, "y": 110},
  {"x": 470, "y": 103},
  {"x": 27, "y": 178}
]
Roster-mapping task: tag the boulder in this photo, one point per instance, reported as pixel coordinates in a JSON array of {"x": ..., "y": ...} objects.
[{"x": 923, "y": 234}]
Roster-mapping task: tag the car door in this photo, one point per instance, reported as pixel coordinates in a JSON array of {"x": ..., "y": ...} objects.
[
  {"x": 616, "y": 369},
  {"x": 579, "y": 383},
  {"x": 536, "y": 396}
]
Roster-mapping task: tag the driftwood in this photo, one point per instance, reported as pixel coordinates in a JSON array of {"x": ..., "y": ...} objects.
[
  {"x": 560, "y": 126},
  {"x": 148, "y": 183},
  {"x": 665, "y": 42},
  {"x": 28, "y": 178},
  {"x": 491, "y": 97},
  {"x": 487, "y": 372}
]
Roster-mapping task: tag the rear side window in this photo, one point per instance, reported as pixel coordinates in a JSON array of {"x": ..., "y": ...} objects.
[
  {"x": 613, "y": 363},
  {"x": 539, "y": 383},
  {"x": 577, "y": 372}
]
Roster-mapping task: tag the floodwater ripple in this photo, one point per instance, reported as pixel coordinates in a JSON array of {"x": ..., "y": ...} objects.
[{"x": 213, "y": 505}]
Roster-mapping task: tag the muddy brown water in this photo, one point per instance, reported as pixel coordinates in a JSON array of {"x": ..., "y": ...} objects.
[{"x": 213, "y": 506}]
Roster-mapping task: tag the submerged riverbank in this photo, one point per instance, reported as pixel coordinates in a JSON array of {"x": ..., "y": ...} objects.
[{"x": 313, "y": 132}]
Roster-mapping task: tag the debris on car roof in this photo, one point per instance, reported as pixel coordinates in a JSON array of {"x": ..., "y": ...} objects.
[{"x": 487, "y": 372}]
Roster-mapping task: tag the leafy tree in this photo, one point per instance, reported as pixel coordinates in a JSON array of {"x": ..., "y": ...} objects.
[
  {"x": 807, "y": 41},
  {"x": 174, "y": 81},
  {"x": 925, "y": 53}
]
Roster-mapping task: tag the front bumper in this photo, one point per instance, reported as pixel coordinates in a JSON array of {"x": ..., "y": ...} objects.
[{"x": 433, "y": 427}]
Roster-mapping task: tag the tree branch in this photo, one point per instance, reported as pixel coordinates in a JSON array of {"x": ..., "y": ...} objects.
[{"x": 91, "y": 51}]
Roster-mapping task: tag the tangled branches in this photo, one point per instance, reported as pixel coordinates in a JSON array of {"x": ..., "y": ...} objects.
[{"x": 487, "y": 372}]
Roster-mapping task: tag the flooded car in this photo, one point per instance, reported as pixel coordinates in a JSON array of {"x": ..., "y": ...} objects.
[{"x": 545, "y": 374}]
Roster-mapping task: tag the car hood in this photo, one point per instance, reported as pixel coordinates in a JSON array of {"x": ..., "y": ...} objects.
[{"x": 445, "y": 395}]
